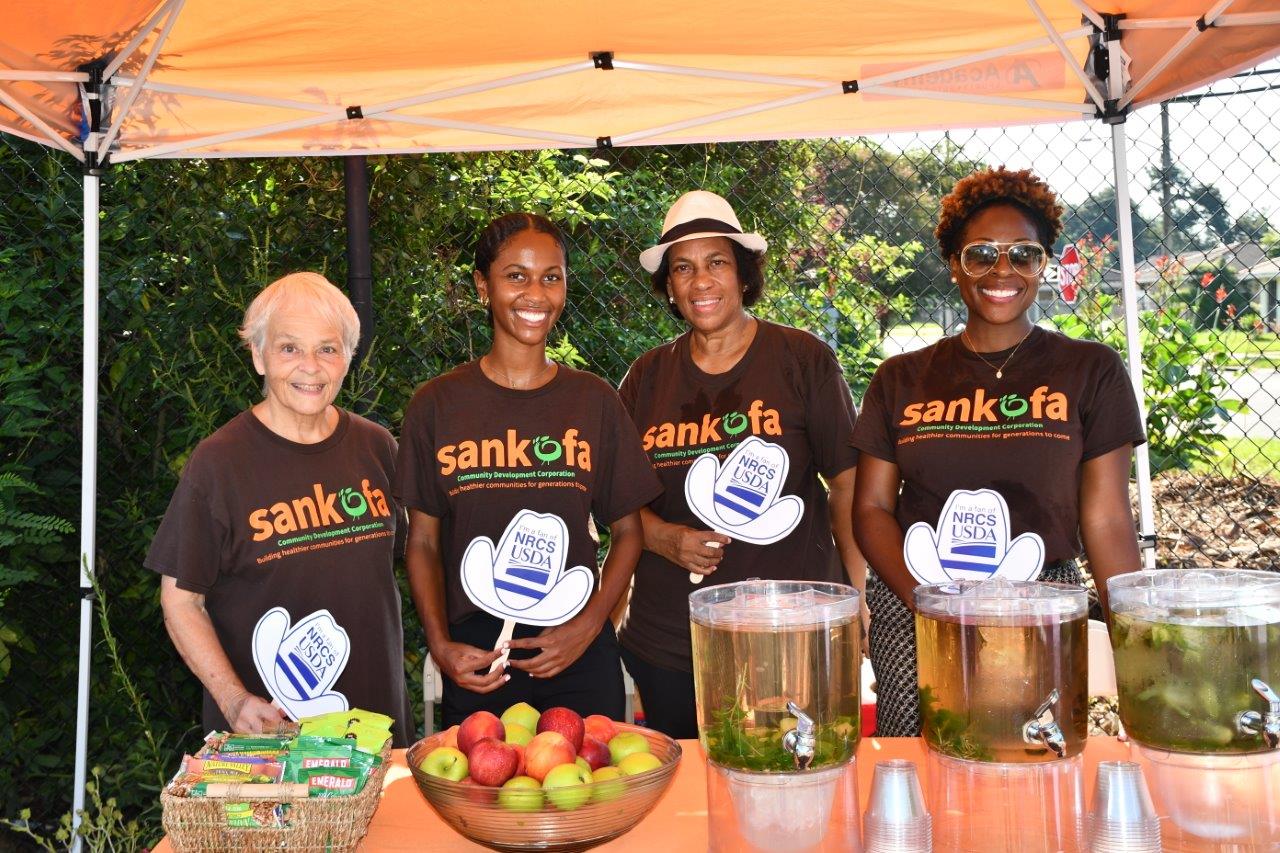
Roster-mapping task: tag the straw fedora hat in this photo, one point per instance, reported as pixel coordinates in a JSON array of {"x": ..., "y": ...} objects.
[{"x": 698, "y": 214}]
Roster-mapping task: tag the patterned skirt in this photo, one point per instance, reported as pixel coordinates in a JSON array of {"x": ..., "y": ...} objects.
[{"x": 893, "y": 651}]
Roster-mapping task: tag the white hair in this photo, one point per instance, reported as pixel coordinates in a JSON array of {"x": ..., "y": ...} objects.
[{"x": 311, "y": 289}]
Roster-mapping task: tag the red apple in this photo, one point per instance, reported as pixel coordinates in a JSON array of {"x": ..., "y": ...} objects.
[
  {"x": 547, "y": 750},
  {"x": 493, "y": 762},
  {"x": 476, "y": 727},
  {"x": 566, "y": 722},
  {"x": 595, "y": 752},
  {"x": 600, "y": 727},
  {"x": 519, "y": 748}
]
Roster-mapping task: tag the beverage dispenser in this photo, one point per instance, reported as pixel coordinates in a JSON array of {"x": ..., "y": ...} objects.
[
  {"x": 1003, "y": 676},
  {"x": 776, "y": 675},
  {"x": 1198, "y": 672}
]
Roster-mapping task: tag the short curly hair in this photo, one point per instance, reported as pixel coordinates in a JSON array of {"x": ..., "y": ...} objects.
[{"x": 989, "y": 187}]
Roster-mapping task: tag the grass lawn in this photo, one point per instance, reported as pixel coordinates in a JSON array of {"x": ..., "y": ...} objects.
[
  {"x": 1251, "y": 349},
  {"x": 1258, "y": 457}
]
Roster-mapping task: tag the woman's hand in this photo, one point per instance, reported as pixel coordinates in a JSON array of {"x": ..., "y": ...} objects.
[
  {"x": 461, "y": 662},
  {"x": 561, "y": 645},
  {"x": 698, "y": 551},
  {"x": 252, "y": 714}
]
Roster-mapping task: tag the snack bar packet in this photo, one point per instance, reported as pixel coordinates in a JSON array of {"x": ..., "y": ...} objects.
[
  {"x": 331, "y": 755},
  {"x": 369, "y": 737},
  {"x": 372, "y": 718},
  {"x": 325, "y": 782},
  {"x": 312, "y": 742},
  {"x": 329, "y": 725},
  {"x": 269, "y": 746},
  {"x": 256, "y": 815},
  {"x": 231, "y": 768}
]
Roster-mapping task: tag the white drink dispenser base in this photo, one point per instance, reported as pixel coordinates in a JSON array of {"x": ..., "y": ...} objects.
[{"x": 810, "y": 812}]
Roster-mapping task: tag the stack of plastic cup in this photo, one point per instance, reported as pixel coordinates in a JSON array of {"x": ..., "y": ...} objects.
[
  {"x": 1123, "y": 818},
  {"x": 896, "y": 819}
]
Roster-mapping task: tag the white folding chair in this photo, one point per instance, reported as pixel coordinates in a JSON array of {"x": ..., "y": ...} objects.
[{"x": 1102, "y": 661}]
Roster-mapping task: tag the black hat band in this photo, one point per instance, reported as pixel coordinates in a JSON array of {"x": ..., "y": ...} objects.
[{"x": 696, "y": 226}]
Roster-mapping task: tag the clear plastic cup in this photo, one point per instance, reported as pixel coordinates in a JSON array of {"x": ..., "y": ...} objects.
[
  {"x": 897, "y": 820},
  {"x": 1123, "y": 817}
]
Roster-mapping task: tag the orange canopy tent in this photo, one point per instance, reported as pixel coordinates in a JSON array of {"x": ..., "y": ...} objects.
[{"x": 110, "y": 81}]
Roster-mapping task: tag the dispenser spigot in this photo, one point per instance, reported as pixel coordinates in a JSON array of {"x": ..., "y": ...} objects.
[
  {"x": 1266, "y": 725},
  {"x": 1043, "y": 728},
  {"x": 802, "y": 740}
]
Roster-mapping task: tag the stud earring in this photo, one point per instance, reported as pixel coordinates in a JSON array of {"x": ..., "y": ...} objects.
[
  {"x": 953, "y": 280},
  {"x": 671, "y": 300}
]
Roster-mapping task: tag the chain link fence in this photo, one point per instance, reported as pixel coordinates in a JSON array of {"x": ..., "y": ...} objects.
[{"x": 185, "y": 245}]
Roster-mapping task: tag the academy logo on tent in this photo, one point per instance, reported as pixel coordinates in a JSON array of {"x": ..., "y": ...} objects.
[
  {"x": 524, "y": 577},
  {"x": 299, "y": 664},
  {"x": 971, "y": 541},
  {"x": 742, "y": 498}
]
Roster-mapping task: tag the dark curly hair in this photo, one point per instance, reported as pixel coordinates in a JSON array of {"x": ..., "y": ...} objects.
[
  {"x": 496, "y": 234},
  {"x": 750, "y": 275},
  {"x": 990, "y": 187}
]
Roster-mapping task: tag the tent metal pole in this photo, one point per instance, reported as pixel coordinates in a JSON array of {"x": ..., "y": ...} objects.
[
  {"x": 1193, "y": 32},
  {"x": 1132, "y": 331},
  {"x": 88, "y": 490},
  {"x": 355, "y": 182}
]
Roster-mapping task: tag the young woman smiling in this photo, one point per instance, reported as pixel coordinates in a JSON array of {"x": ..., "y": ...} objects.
[
  {"x": 504, "y": 463},
  {"x": 1061, "y": 465}
]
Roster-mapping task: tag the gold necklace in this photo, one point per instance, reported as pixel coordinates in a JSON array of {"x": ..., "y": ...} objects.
[
  {"x": 964, "y": 333},
  {"x": 511, "y": 383}
]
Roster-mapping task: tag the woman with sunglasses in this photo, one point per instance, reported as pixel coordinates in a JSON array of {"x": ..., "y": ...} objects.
[{"x": 1046, "y": 421}]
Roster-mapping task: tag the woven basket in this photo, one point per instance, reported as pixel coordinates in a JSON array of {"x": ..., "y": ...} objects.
[{"x": 337, "y": 823}]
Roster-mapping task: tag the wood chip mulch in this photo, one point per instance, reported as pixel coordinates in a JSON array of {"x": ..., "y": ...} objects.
[{"x": 1206, "y": 520}]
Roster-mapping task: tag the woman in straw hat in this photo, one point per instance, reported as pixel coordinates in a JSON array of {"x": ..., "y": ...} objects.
[{"x": 740, "y": 417}]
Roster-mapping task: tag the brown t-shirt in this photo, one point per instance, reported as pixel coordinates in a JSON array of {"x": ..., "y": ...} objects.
[
  {"x": 292, "y": 546},
  {"x": 779, "y": 418},
  {"x": 515, "y": 474},
  {"x": 943, "y": 418}
]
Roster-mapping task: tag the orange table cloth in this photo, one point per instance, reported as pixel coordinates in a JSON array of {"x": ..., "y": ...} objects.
[{"x": 404, "y": 821}]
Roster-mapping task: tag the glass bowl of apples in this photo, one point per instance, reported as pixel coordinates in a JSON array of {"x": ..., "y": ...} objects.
[{"x": 543, "y": 781}]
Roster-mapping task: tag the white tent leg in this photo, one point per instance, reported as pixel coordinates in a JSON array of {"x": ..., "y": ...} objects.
[
  {"x": 1132, "y": 332},
  {"x": 88, "y": 489}
]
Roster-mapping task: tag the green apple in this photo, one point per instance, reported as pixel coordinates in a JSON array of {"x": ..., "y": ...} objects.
[
  {"x": 521, "y": 714},
  {"x": 521, "y": 794},
  {"x": 639, "y": 762},
  {"x": 626, "y": 743},
  {"x": 567, "y": 786},
  {"x": 445, "y": 762},
  {"x": 518, "y": 734},
  {"x": 582, "y": 762},
  {"x": 606, "y": 784}
]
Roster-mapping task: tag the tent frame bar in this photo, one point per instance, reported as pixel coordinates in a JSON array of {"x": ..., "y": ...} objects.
[
  {"x": 1129, "y": 288},
  {"x": 1089, "y": 86},
  {"x": 1193, "y": 32},
  {"x": 149, "y": 27},
  {"x": 997, "y": 100},
  {"x": 40, "y": 124},
  {"x": 175, "y": 8},
  {"x": 1235, "y": 19}
]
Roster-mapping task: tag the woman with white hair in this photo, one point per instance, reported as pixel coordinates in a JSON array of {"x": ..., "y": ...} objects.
[{"x": 276, "y": 551}]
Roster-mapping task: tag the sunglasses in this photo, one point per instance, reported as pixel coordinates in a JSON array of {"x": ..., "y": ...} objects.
[{"x": 979, "y": 258}]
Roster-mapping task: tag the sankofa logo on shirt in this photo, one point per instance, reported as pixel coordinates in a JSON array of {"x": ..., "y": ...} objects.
[
  {"x": 1043, "y": 404},
  {"x": 709, "y": 430},
  {"x": 512, "y": 451},
  {"x": 319, "y": 509}
]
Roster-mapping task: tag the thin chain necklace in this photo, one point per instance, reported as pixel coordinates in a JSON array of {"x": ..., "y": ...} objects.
[
  {"x": 511, "y": 383},
  {"x": 964, "y": 333}
]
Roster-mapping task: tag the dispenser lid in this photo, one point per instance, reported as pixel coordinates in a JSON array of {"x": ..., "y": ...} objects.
[
  {"x": 1198, "y": 596},
  {"x": 1001, "y": 601},
  {"x": 757, "y": 604}
]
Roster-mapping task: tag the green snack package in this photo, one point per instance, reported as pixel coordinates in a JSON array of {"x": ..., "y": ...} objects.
[
  {"x": 268, "y": 746},
  {"x": 369, "y": 718},
  {"x": 368, "y": 738},
  {"x": 326, "y": 726},
  {"x": 314, "y": 742},
  {"x": 328, "y": 756},
  {"x": 324, "y": 782}
]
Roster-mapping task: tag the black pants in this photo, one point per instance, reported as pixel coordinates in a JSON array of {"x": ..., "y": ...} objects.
[
  {"x": 667, "y": 696},
  {"x": 590, "y": 685}
]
